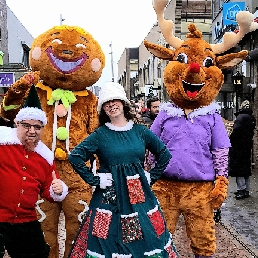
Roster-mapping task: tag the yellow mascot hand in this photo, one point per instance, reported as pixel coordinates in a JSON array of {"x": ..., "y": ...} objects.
[{"x": 219, "y": 192}]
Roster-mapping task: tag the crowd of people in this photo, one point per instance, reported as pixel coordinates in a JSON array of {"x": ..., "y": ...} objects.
[{"x": 145, "y": 114}]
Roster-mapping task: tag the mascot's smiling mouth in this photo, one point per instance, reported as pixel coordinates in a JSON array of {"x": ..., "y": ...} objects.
[
  {"x": 64, "y": 65},
  {"x": 192, "y": 89}
]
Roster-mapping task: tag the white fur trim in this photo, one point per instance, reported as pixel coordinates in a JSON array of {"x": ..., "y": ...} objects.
[
  {"x": 121, "y": 255},
  {"x": 156, "y": 251},
  {"x": 45, "y": 152},
  {"x": 171, "y": 109},
  {"x": 168, "y": 243},
  {"x": 31, "y": 113},
  {"x": 56, "y": 197},
  {"x": 130, "y": 215},
  {"x": 127, "y": 127},
  {"x": 150, "y": 212},
  {"x": 174, "y": 111},
  {"x": 110, "y": 91},
  {"x": 132, "y": 177},
  {"x": 9, "y": 137},
  {"x": 202, "y": 111},
  {"x": 104, "y": 211},
  {"x": 94, "y": 254}
]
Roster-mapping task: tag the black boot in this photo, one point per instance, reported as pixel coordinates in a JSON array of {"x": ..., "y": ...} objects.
[
  {"x": 247, "y": 194},
  {"x": 217, "y": 215},
  {"x": 241, "y": 194},
  {"x": 237, "y": 192}
]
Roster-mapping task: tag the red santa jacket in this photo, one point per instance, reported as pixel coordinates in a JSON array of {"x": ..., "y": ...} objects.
[{"x": 23, "y": 176}]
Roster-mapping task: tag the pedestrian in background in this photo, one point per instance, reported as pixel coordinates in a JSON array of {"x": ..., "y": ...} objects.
[
  {"x": 124, "y": 217},
  {"x": 27, "y": 170},
  {"x": 153, "y": 110},
  {"x": 240, "y": 153}
]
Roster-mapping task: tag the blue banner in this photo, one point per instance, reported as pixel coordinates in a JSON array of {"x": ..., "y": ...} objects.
[{"x": 230, "y": 10}]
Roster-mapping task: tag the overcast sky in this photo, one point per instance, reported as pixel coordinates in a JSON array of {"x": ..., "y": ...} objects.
[{"x": 125, "y": 23}]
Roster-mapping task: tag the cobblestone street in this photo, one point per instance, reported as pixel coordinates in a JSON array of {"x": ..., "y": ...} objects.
[
  {"x": 239, "y": 224},
  {"x": 227, "y": 244}
]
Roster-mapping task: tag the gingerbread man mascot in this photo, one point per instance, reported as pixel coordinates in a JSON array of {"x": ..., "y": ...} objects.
[{"x": 65, "y": 60}]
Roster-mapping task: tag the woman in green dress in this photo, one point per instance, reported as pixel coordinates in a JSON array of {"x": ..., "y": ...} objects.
[{"x": 124, "y": 219}]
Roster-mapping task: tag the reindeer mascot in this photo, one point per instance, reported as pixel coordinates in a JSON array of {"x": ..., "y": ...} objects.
[
  {"x": 67, "y": 59},
  {"x": 195, "y": 181}
]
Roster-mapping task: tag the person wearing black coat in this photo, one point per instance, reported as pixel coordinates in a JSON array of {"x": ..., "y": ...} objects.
[
  {"x": 240, "y": 152},
  {"x": 153, "y": 107}
]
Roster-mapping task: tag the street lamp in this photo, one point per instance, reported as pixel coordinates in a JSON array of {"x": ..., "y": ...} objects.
[
  {"x": 237, "y": 79},
  {"x": 112, "y": 62}
]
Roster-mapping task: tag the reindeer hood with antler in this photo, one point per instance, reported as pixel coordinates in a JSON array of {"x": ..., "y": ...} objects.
[{"x": 194, "y": 78}]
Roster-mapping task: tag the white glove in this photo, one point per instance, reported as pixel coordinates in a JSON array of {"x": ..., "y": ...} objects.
[{"x": 105, "y": 180}]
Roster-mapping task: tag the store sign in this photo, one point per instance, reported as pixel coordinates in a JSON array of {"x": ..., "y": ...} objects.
[
  {"x": 228, "y": 104},
  {"x": 6, "y": 79},
  {"x": 150, "y": 91},
  {"x": 230, "y": 10}
]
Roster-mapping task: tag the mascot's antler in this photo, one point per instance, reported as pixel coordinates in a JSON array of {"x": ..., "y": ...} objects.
[
  {"x": 244, "y": 19},
  {"x": 246, "y": 24},
  {"x": 166, "y": 26}
]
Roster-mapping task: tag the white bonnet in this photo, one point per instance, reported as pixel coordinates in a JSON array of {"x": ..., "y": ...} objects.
[{"x": 110, "y": 91}]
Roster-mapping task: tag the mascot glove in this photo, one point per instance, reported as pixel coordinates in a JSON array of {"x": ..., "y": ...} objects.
[
  {"x": 27, "y": 80},
  {"x": 105, "y": 180},
  {"x": 219, "y": 192}
]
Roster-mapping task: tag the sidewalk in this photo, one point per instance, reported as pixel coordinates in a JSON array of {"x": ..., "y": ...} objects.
[
  {"x": 242, "y": 215},
  {"x": 239, "y": 224},
  {"x": 227, "y": 245}
]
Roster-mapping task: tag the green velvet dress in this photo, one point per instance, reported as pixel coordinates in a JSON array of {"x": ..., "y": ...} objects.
[{"x": 125, "y": 219}]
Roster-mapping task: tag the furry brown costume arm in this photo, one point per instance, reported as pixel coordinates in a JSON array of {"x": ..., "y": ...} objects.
[
  {"x": 92, "y": 113},
  {"x": 16, "y": 94}
]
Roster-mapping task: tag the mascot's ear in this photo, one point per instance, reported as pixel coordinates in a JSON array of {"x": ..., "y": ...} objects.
[
  {"x": 228, "y": 61},
  {"x": 159, "y": 51}
]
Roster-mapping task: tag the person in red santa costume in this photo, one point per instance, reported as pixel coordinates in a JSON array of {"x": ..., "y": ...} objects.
[{"x": 27, "y": 170}]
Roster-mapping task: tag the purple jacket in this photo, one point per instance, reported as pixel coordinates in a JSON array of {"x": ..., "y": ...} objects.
[{"x": 192, "y": 141}]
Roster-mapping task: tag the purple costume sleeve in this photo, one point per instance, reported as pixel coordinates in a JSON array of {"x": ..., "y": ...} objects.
[
  {"x": 220, "y": 162},
  {"x": 219, "y": 135}
]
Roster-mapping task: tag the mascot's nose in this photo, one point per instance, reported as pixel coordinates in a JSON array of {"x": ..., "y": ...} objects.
[
  {"x": 67, "y": 52},
  {"x": 194, "y": 68}
]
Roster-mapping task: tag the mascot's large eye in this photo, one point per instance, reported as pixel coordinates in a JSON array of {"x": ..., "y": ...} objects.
[
  {"x": 80, "y": 45},
  {"x": 57, "y": 40},
  {"x": 182, "y": 58},
  {"x": 208, "y": 61}
]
